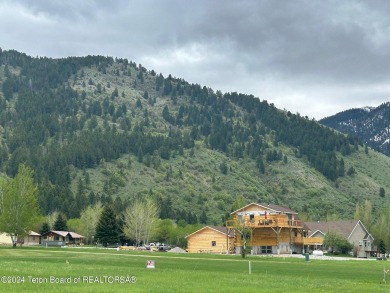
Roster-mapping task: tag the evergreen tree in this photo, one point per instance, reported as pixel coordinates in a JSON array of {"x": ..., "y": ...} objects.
[
  {"x": 223, "y": 167},
  {"x": 381, "y": 246},
  {"x": 260, "y": 164},
  {"x": 138, "y": 104},
  {"x": 45, "y": 228},
  {"x": 107, "y": 231},
  {"x": 60, "y": 224},
  {"x": 341, "y": 168},
  {"x": 165, "y": 207},
  {"x": 203, "y": 218},
  {"x": 351, "y": 171},
  {"x": 140, "y": 155},
  {"x": 382, "y": 192}
]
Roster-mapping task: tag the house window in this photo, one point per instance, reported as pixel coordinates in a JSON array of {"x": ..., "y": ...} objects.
[
  {"x": 251, "y": 218},
  {"x": 33, "y": 238},
  {"x": 266, "y": 249},
  {"x": 213, "y": 243},
  {"x": 56, "y": 238}
]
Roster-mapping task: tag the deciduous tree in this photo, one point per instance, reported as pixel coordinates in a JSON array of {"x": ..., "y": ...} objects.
[
  {"x": 18, "y": 206},
  {"x": 140, "y": 220},
  {"x": 337, "y": 242},
  {"x": 363, "y": 212},
  {"x": 89, "y": 220},
  {"x": 381, "y": 229}
]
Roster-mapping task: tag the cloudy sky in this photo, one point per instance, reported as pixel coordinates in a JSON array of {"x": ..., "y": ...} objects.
[{"x": 312, "y": 57}]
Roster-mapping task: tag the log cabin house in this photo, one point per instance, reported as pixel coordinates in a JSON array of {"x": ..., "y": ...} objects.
[
  {"x": 269, "y": 229},
  {"x": 272, "y": 229},
  {"x": 211, "y": 239}
]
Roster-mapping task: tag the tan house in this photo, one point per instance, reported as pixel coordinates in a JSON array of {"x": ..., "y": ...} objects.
[
  {"x": 353, "y": 230},
  {"x": 5, "y": 239},
  {"x": 211, "y": 239},
  {"x": 61, "y": 238},
  {"x": 269, "y": 229},
  {"x": 273, "y": 229},
  {"x": 33, "y": 238}
]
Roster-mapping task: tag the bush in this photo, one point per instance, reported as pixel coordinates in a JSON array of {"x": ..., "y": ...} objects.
[{"x": 245, "y": 251}]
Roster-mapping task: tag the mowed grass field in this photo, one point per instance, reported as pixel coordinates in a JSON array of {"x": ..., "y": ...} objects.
[{"x": 102, "y": 270}]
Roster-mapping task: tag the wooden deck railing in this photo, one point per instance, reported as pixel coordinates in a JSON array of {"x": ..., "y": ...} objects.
[
  {"x": 313, "y": 241},
  {"x": 262, "y": 222},
  {"x": 308, "y": 241}
]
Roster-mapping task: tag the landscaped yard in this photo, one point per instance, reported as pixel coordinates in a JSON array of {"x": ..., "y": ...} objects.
[{"x": 102, "y": 270}]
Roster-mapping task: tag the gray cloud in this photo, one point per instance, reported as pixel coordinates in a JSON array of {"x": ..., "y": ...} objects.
[{"x": 312, "y": 57}]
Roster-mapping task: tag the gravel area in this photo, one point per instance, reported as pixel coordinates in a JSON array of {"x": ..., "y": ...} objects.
[{"x": 177, "y": 250}]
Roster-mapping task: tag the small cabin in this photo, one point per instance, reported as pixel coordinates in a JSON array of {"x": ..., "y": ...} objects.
[{"x": 211, "y": 239}]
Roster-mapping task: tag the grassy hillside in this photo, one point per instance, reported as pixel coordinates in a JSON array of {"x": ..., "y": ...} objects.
[
  {"x": 192, "y": 176},
  {"x": 203, "y": 186}
]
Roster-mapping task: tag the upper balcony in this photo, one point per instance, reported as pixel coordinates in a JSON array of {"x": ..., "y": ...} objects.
[{"x": 277, "y": 221}]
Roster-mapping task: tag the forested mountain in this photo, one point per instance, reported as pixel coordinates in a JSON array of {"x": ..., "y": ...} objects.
[
  {"x": 106, "y": 129},
  {"x": 371, "y": 125}
]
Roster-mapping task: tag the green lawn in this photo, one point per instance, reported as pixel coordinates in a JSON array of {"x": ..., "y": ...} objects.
[{"x": 99, "y": 270}]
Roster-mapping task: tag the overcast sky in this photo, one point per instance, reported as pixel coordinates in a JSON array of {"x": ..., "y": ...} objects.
[{"x": 312, "y": 57}]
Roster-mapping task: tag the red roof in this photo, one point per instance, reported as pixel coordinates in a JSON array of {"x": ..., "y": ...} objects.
[{"x": 66, "y": 233}]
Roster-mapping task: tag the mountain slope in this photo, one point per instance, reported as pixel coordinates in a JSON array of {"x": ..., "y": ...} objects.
[
  {"x": 371, "y": 125},
  {"x": 98, "y": 128}
]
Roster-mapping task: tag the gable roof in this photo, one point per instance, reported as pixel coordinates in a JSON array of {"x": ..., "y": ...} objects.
[
  {"x": 75, "y": 235},
  {"x": 65, "y": 233},
  {"x": 269, "y": 206},
  {"x": 345, "y": 227},
  {"x": 32, "y": 233},
  {"x": 219, "y": 229},
  {"x": 313, "y": 232},
  {"x": 61, "y": 233}
]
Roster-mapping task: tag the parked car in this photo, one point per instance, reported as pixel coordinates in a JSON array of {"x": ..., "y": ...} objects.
[{"x": 164, "y": 247}]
